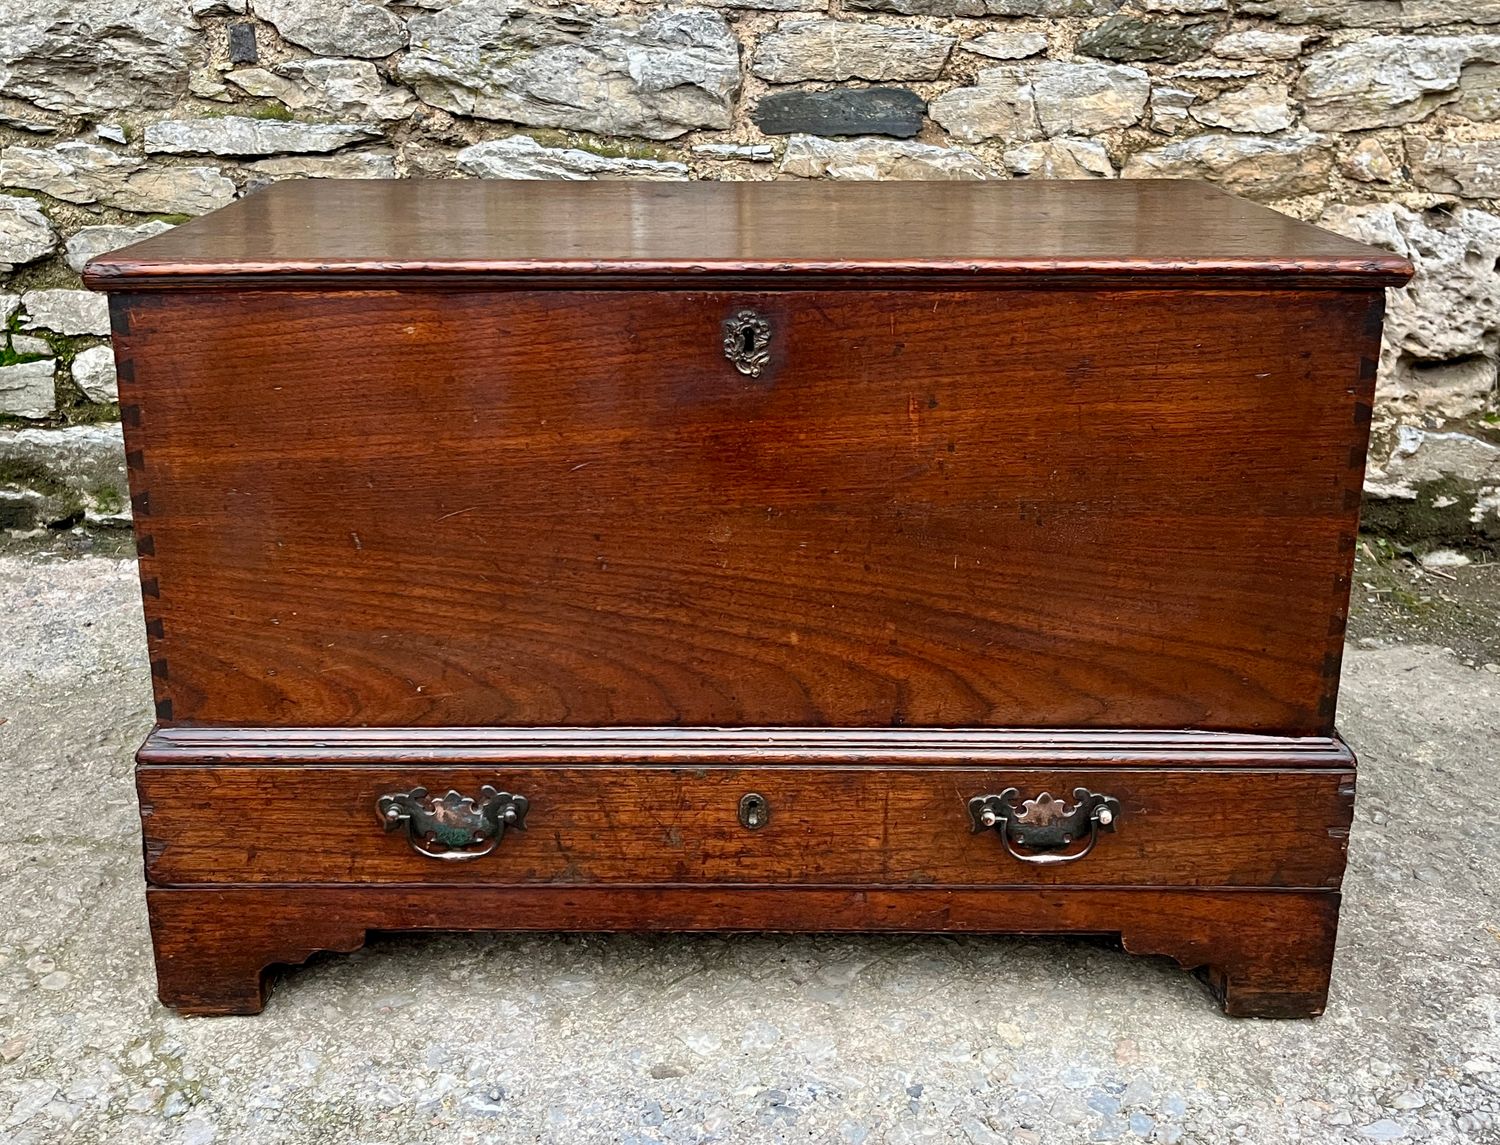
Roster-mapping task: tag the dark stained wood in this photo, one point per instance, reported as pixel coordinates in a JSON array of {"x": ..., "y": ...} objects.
[
  {"x": 1264, "y": 954},
  {"x": 744, "y": 747},
  {"x": 880, "y": 826},
  {"x": 680, "y": 236},
  {"x": 1034, "y": 509},
  {"x": 1045, "y": 485}
]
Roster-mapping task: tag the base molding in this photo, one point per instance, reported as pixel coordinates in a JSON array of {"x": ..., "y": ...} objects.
[
  {"x": 976, "y": 747},
  {"x": 1262, "y": 953}
]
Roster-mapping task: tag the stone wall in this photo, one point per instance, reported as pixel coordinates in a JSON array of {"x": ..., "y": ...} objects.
[{"x": 1380, "y": 118}]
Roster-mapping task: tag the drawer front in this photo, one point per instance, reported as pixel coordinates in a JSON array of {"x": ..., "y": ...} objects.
[
  {"x": 1008, "y": 508},
  {"x": 849, "y": 826}
]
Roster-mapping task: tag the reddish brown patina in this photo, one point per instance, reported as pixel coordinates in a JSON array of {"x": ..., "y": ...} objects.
[{"x": 627, "y": 501}]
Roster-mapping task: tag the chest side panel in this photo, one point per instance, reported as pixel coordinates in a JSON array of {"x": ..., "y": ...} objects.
[{"x": 998, "y": 508}]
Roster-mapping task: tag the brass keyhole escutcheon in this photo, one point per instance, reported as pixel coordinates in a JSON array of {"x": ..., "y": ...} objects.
[
  {"x": 755, "y": 811},
  {"x": 747, "y": 342}
]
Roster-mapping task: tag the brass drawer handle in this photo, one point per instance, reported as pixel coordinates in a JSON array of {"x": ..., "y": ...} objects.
[
  {"x": 1045, "y": 824},
  {"x": 453, "y": 822},
  {"x": 747, "y": 342}
]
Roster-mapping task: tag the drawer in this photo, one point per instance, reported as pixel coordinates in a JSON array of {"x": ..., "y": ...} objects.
[
  {"x": 814, "y": 826},
  {"x": 1019, "y": 508}
]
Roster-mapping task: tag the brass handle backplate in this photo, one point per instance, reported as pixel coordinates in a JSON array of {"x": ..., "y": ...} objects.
[
  {"x": 453, "y": 828},
  {"x": 1044, "y": 825},
  {"x": 747, "y": 342}
]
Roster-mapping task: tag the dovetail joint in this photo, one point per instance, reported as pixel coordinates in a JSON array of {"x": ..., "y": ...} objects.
[{"x": 119, "y": 314}]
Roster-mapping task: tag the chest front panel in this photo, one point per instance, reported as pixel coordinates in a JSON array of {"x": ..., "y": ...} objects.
[{"x": 989, "y": 508}]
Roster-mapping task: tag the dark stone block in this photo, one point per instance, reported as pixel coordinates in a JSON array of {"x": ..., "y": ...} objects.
[
  {"x": 842, "y": 111},
  {"x": 242, "y": 49},
  {"x": 1134, "y": 38}
]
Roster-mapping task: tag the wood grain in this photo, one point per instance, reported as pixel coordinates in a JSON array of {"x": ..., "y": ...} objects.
[
  {"x": 746, "y": 747},
  {"x": 1027, "y": 509},
  {"x": 1044, "y": 485},
  {"x": 664, "y": 825},
  {"x": 437, "y": 233},
  {"x": 1264, "y": 954}
]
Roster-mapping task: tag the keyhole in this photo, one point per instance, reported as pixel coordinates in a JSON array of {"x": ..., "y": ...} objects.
[
  {"x": 755, "y": 811},
  {"x": 747, "y": 340}
]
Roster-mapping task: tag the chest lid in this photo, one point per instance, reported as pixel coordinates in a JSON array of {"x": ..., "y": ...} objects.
[{"x": 694, "y": 235}]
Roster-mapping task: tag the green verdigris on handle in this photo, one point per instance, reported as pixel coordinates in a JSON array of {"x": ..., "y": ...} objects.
[{"x": 452, "y": 826}]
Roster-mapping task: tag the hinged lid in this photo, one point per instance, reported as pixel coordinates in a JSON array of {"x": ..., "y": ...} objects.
[{"x": 694, "y": 235}]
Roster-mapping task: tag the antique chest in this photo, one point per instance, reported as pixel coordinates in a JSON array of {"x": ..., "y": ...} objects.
[{"x": 786, "y": 556}]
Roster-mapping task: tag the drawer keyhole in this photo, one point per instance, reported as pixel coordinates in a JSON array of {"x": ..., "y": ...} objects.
[{"x": 755, "y": 811}]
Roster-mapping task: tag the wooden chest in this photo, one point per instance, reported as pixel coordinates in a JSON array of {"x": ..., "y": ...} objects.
[{"x": 788, "y": 556}]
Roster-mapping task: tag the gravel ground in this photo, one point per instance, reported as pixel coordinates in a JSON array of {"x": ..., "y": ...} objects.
[
  {"x": 694, "y": 1039},
  {"x": 1453, "y": 604}
]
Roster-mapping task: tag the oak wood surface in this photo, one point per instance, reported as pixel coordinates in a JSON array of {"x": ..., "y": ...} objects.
[
  {"x": 681, "y": 235},
  {"x": 1263, "y": 953},
  {"x": 658, "y": 825},
  {"x": 1028, "y": 509}
]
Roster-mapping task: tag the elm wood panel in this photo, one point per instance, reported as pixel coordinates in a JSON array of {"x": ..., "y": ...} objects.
[
  {"x": 587, "y": 233},
  {"x": 376, "y": 508},
  {"x": 659, "y": 825},
  {"x": 1031, "y": 385},
  {"x": 1264, "y": 954},
  {"x": 746, "y": 747},
  {"x": 626, "y": 660}
]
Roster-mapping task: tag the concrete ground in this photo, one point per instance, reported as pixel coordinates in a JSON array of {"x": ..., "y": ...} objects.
[{"x": 749, "y": 1039}]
